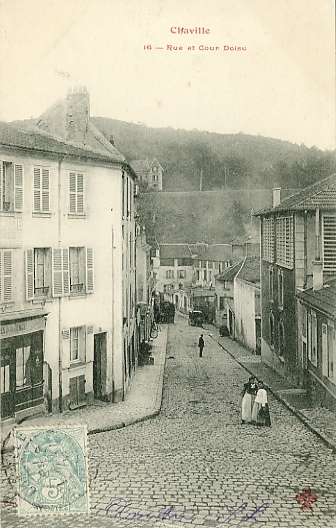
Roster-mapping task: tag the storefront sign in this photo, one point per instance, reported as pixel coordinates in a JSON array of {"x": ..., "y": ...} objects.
[
  {"x": 11, "y": 232},
  {"x": 22, "y": 327}
]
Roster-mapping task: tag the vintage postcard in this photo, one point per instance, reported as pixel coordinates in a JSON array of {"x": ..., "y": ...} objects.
[{"x": 167, "y": 263}]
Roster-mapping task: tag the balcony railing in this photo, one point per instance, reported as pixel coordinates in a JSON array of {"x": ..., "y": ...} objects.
[
  {"x": 43, "y": 291},
  {"x": 76, "y": 288}
]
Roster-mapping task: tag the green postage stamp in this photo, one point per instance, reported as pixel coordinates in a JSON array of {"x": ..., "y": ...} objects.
[{"x": 52, "y": 469}]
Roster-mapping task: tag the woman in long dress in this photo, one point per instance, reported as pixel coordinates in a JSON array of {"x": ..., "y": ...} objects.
[
  {"x": 249, "y": 392},
  {"x": 260, "y": 411}
]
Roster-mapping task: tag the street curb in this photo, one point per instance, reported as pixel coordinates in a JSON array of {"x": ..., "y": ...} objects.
[
  {"x": 290, "y": 407},
  {"x": 143, "y": 418}
]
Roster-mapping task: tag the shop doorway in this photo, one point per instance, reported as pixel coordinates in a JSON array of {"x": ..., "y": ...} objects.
[{"x": 99, "y": 355}]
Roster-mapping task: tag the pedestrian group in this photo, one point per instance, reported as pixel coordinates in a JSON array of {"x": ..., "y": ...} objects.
[{"x": 255, "y": 408}]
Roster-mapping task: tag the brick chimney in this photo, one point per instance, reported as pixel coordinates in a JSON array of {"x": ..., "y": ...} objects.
[
  {"x": 276, "y": 196},
  {"x": 77, "y": 114}
]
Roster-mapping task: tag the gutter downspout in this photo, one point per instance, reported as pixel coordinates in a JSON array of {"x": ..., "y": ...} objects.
[{"x": 60, "y": 379}]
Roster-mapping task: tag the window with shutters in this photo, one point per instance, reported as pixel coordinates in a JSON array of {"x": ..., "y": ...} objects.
[
  {"x": 41, "y": 189},
  {"x": 268, "y": 239},
  {"x": 42, "y": 272},
  {"x": 5, "y": 275},
  {"x": 81, "y": 270},
  {"x": 11, "y": 186},
  {"x": 284, "y": 241},
  {"x": 60, "y": 272},
  {"x": 329, "y": 242},
  {"x": 76, "y": 193}
]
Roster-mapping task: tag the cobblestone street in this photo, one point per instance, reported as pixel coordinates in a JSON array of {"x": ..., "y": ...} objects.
[{"x": 196, "y": 462}]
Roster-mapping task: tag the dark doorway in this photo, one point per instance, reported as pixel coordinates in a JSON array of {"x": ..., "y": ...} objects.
[
  {"x": 99, "y": 354},
  {"x": 7, "y": 379},
  {"x": 258, "y": 336}
]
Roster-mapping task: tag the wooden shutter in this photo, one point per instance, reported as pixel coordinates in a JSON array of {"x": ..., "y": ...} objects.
[
  {"x": 66, "y": 348},
  {"x": 72, "y": 181},
  {"x": 37, "y": 189},
  {"x": 80, "y": 193},
  {"x": 89, "y": 270},
  {"x": 89, "y": 344},
  {"x": 29, "y": 274},
  {"x": 66, "y": 274},
  {"x": 45, "y": 190},
  {"x": 1, "y": 185},
  {"x": 7, "y": 275},
  {"x": 81, "y": 390},
  {"x": 57, "y": 269},
  {"x": 18, "y": 187},
  {"x": 73, "y": 392}
]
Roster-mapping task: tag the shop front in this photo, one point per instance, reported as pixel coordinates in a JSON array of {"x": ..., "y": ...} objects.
[{"x": 22, "y": 356}]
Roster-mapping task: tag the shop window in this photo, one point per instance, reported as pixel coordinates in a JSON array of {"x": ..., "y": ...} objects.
[
  {"x": 41, "y": 189},
  {"x": 23, "y": 366},
  {"x": 77, "y": 344},
  {"x": 11, "y": 186},
  {"x": 5, "y": 275},
  {"x": 76, "y": 193}
]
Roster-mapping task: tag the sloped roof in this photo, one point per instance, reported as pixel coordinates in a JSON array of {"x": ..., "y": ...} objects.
[
  {"x": 174, "y": 251},
  {"x": 212, "y": 252},
  {"x": 323, "y": 300},
  {"x": 230, "y": 273},
  {"x": 36, "y": 140},
  {"x": 321, "y": 194},
  {"x": 140, "y": 165},
  {"x": 250, "y": 270},
  {"x": 155, "y": 162}
]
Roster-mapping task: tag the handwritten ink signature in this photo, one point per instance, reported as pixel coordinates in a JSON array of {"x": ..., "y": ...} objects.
[{"x": 119, "y": 507}]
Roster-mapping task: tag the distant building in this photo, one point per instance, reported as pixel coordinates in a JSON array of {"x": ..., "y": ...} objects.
[
  {"x": 298, "y": 265},
  {"x": 149, "y": 172},
  {"x": 224, "y": 290}
]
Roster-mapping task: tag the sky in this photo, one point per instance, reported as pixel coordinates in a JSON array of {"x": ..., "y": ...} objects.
[{"x": 282, "y": 85}]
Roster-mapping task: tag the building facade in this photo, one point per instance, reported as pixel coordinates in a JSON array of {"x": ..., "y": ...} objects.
[
  {"x": 149, "y": 173},
  {"x": 67, "y": 273},
  {"x": 298, "y": 252}
]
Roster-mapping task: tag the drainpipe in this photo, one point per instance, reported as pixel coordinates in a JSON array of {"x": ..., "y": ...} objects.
[
  {"x": 112, "y": 309},
  {"x": 59, "y": 219}
]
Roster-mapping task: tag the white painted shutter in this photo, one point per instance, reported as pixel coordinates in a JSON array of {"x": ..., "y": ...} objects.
[
  {"x": 57, "y": 269},
  {"x": 18, "y": 187},
  {"x": 66, "y": 273},
  {"x": 324, "y": 350},
  {"x": 73, "y": 192},
  {"x": 66, "y": 348},
  {"x": 0, "y": 185},
  {"x": 80, "y": 193},
  {"x": 7, "y": 275},
  {"x": 89, "y": 270},
  {"x": 29, "y": 274},
  {"x": 45, "y": 190},
  {"x": 37, "y": 189}
]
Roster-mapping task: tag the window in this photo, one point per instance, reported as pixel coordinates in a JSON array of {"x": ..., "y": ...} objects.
[
  {"x": 329, "y": 242},
  {"x": 11, "y": 186},
  {"x": 268, "y": 239},
  {"x": 42, "y": 271},
  {"x": 76, "y": 182},
  {"x": 23, "y": 366},
  {"x": 167, "y": 288},
  {"x": 203, "y": 263},
  {"x": 5, "y": 275},
  {"x": 77, "y": 344},
  {"x": 166, "y": 262},
  {"x": 328, "y": 351},
  {"x": 181, "y": 274},
  {"x": 205, "y": 275},
  {"x": 169, "y": 274},
  {"x": 270, "y": 283},
  {"x": 155, "y": 175},
  {"x": 280, "y": 289},
  {"x": 284, "y": 241},
  {"x": 210, "y": 264},
  {"x": 281, "y": 339},
  {"x": 81, "y": 270},
  {"x": 197, "y": 275},
  {"x": 221, "y": 303},
  {"x": 41, "y": 189}
]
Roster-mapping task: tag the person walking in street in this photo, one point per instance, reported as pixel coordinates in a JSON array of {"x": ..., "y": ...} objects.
[
  {"x": 201, "y": 345},
  {"x": 260, "y": 411},
  {"x": 249, "y": 393}
]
